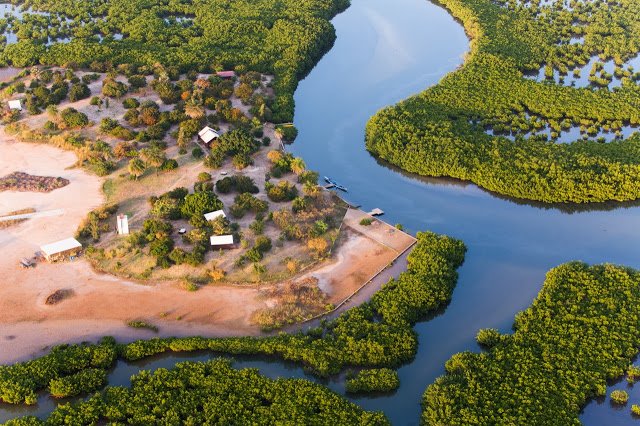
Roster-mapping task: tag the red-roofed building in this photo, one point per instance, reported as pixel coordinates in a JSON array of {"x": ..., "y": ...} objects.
[{"x": 226, "y": 74}]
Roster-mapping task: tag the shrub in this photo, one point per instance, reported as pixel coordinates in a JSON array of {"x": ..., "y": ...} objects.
[
  {"x": 78, "y": 92},
  {"x": 169, "y": 164},
  {"x": 204, "y": 177},
  {"x": 130, "y": 103},
  {"x": 197, "y": 152},
  {"x": 366, "y": 221},
  {"x": 318, "y": 246},
  {"x": 247, "y": 202},
  {"x": 84, "y": 381},
  {"x": 375, "y": 380},
  {"x": 73, "y": 118},
  {"x": 113, "y": 88},
  {"x": 635, "y": 410},
  {"x": 137, "y": 81},
  {"x": 143, "y": 324},
  {"x": 283, "y": 191},
  {"x": 238, "y": 183},
  {"x": 619, "y": 396}
]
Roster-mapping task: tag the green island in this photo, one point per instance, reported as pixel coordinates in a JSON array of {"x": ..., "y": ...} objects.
[
  {"x": 580, "y": 331},
  {"x": 210, "y": 392},
  {"x": 443, "y": 131}
]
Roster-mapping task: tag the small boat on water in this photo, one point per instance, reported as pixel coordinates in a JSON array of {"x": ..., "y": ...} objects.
[{"x": 334, "y": 184}]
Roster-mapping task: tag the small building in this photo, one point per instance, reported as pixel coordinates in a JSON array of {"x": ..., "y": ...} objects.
[
  {"x": 226, "y": 74},
  {"x": 123, "y": 224},
  {"x": 15, "y": 105},
  {"x": 208, "y": 135},
  {"x": 214, "y": 215},
  {"x": 61, "y": 250},
  {"x": 222, "y": 242}
]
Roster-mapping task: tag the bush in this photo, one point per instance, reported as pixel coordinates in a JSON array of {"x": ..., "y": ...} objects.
[
  {"x": 130, "y": 103},
  {"x": 204, "y": 177},
  {"x": 74, "y": 119},
  {"x": 142, "y": 324},
  {"x": 197, "y": 152},
  {"x": 84, "y": 381},
  {"x": 137, "y": 81},
  {"x": 238, "y": 183},
  {"x": 377, "y": 380},
  {"x": 113, "y": 88},
  {"x": 247, "y": 202},
  {"x": 366, "y": 221},
  {"x": 78, "y": 92},
  {"x": 283, "y": 191},
  {"x": 169, "y": 164},
  {"x": 619, "y": 396}
]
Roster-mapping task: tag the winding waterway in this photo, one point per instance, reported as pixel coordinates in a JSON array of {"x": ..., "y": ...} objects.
[{"x": 387, "y": 50}]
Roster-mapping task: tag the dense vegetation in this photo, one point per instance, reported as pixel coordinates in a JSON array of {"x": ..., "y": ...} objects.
[
  {"x": 20, "y": 382},
  {"x": 442, "y": 132},
  {"x": 581, "y": 330},
  {"x": 280, "y": 37},
  {"x": 374, "y": 380},
  {"x": 211, "y": 393},
  {"x": 376, "y": 334}
]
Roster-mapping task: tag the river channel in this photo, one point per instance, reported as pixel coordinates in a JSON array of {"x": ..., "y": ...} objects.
[{"x": 387, "y": 50}]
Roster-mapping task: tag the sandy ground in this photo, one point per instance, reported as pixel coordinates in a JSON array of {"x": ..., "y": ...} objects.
[
  {"x": 379, "y": 231},
  {"x": 357, "y": 261}
]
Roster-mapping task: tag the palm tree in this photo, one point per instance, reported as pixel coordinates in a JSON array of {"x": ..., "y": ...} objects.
[
  {"x": 298, "y": 166},
  {"x": 194, "y": 110},
  {"x": 153, "y": 157},
  {"x": 136, "y": 167}
]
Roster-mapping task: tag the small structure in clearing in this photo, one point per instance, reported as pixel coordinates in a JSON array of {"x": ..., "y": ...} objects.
[
  {"x": 214, "y": 215},
  {"x": 15, "y": 105},
  {"x": 123, "y": 224},
  {"x": 61, "y": 250},
  {"x": 208, "y": 135},
  {"x": 226, "y": 74},
  {"x": 222, "y": 242}
]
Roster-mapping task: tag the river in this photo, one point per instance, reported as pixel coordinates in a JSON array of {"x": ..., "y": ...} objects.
[{"x": 385, "y": 51}]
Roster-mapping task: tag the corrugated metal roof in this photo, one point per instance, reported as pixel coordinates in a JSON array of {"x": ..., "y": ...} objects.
[
  {"x": 60, "y": 246},
  {"x": 16, "y": 104},
  {"x": 208, "y": 134},
  {"x": 213, "y": 215},
  {"x": 222, "y": 240}
]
